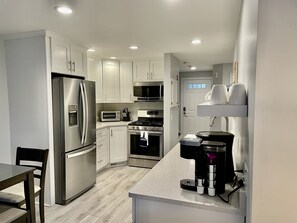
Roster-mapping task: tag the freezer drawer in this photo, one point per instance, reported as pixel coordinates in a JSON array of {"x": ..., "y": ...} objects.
[{"x": 80, "y": 171}]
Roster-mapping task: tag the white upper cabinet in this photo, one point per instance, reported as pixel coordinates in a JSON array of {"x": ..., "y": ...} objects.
[
  {"x": 111, "y": 81},
  {"x": 68, "y": 58},
  {"x": 60, "y": 56},
  {"x": 126, "y": 83},
  {"x": 78, "y": 60},
  {"x": 95, "y": 74},
  {"x": 157, "y": 70},
  {"x": 149, "y": 70}
]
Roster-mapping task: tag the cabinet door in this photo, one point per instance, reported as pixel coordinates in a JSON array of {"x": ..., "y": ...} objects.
[
  {"x": 60, "y": 56},
  {"x": 102, "y": 146},
  {"x": 141, "y": 71},
  {"x": 78, "y": 60},
  {"x": 95, "y": 74},
  {"x": 126, "y": 83},
  {"x": 111, "y": 81},
  {"x": 118, "y": 144},
  {"x": 156, "y": 70}
]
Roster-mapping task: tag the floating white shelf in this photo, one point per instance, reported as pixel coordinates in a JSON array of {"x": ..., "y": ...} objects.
[{"x": 207, "y": 109}]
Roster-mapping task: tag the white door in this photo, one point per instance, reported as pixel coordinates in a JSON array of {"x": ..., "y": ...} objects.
[
  {"x": 78, "y": 60},
  {"x": 111, "y": 81},
  {"x": 126, "y": 83},
  {"x": 95, "y": 74},
  {"x": 194, "y": 91},
  {"x": 60, "y": 56},
  {"x": 118, "y": 144},
  {"x": 141, "y": 70},
  {"x": 156, "y": 70}
]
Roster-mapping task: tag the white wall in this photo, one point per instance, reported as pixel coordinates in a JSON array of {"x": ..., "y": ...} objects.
[
  {"x": 266, "y": 50},
  {"x": 243, "y": 128},
  {"x": 275, "y": 143},
  {"x": 29, "y": 93},
  {"x": 5, "y": 149},
  {"x": 171, "y": 114}
]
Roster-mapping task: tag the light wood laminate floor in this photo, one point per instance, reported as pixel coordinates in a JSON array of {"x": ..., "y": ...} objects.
[{"x": 107, "y": 201}]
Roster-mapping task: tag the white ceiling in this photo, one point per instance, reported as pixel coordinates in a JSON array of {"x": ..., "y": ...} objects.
[{"x": 156, "y": 26}]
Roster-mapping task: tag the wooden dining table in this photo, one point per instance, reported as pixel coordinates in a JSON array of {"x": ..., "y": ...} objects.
[{"x": 11, "y": 175}]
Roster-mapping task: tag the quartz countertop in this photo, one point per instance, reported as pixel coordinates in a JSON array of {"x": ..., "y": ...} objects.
[
  {"x": 162, "y": 184},
  {"x": 100, "y": 125}
]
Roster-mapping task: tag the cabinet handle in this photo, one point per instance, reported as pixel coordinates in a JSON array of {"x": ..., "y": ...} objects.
[
  {"x": 147, "y": 76},
  {"x": 70, "y": 68},
  {"x": 130, "y": 97},
  {"x": 111, "y": 132},
  {"x": 73, "y": 63},
  {"x": 151, "y": 75}
]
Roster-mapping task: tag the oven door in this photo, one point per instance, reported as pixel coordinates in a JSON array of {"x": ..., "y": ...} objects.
[{"x": 153, "y": 150}]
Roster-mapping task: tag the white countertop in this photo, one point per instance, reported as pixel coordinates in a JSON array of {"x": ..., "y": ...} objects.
[
  {"x": 100, "y": 125},
  {"x": 162, "y": 184}
]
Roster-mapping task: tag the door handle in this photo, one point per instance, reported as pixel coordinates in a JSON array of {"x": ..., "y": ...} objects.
[
  {"x": 84, "y": 113},
  {"x": 70, "y": 68},
  {"x": 80, "y": 153},
  {"x": 185, "y": 111},
  {"x": 73, "y": 63},
  {"x": 87, "y": 112}
]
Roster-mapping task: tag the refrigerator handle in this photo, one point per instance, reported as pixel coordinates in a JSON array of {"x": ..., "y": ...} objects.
[
  {"x": 84, "y": 112},
  {"x": 87, "y": 113},
  {"x": 80, "y": 153}
]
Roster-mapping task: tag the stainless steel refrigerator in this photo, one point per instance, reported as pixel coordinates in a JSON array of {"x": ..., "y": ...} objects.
[{"x": 74, "y": 119}]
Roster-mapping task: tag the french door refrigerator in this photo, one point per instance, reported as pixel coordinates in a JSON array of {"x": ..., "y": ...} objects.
[{"x": 74, "y": 120}]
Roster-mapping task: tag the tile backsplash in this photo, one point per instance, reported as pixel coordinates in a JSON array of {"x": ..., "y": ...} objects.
[{"x": 132, "y": 107}]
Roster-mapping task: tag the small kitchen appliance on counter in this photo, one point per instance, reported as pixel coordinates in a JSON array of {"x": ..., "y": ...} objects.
[
  {"x": 126, "y": 114},
  {"x": 110, "y": 116},
  {"x": 227, "y": 138},
  {"x": 209, "y": 159},
  {"x": 145, "y": 139}
]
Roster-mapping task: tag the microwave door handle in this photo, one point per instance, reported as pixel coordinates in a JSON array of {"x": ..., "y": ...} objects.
[{"x": 84, "y": 112}]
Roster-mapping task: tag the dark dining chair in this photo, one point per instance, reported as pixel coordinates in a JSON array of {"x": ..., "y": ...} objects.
[
  {"x": 10, "y": 214},
  {"x": 14, "y": 195}
]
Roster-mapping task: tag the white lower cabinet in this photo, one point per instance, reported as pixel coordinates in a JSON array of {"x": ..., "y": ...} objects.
[
  {"x": 102, "y": 146},
  {"x": 118, "y": 144}
]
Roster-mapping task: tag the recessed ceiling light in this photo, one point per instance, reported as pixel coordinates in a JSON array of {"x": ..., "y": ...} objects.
[
  {"x": 113, "y": 58},
  {"x": 91, "y": 50},
  {"x": 193, "y": 68},
  {"x": 64, "y": 9},
  {"x": 196, "y": 41},
  {"x": 134, "y": 47}
]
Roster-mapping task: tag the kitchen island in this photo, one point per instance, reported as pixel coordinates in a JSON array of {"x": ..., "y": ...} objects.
[{"x": 158, "y": 197}]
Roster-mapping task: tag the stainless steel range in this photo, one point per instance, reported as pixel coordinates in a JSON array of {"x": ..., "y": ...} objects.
[{"x": 145, "y": 138}]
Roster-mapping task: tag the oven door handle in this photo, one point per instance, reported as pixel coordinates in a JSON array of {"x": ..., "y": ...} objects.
[{"x": 149, "y": 132}]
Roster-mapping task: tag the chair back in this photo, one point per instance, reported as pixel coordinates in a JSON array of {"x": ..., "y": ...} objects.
[{"x": 36, "y": 158}]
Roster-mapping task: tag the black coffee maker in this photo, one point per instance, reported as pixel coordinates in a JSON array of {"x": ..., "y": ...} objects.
[
  {"x": 210, "y": 160},
  {"x": 227, "y": 138},
  {"x": 126, "y": 114}
]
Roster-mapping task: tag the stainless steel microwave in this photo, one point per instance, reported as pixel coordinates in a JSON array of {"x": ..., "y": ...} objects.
[
  {"x": 110, "y": 116},
  {"x": 148, "y": 91}
]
